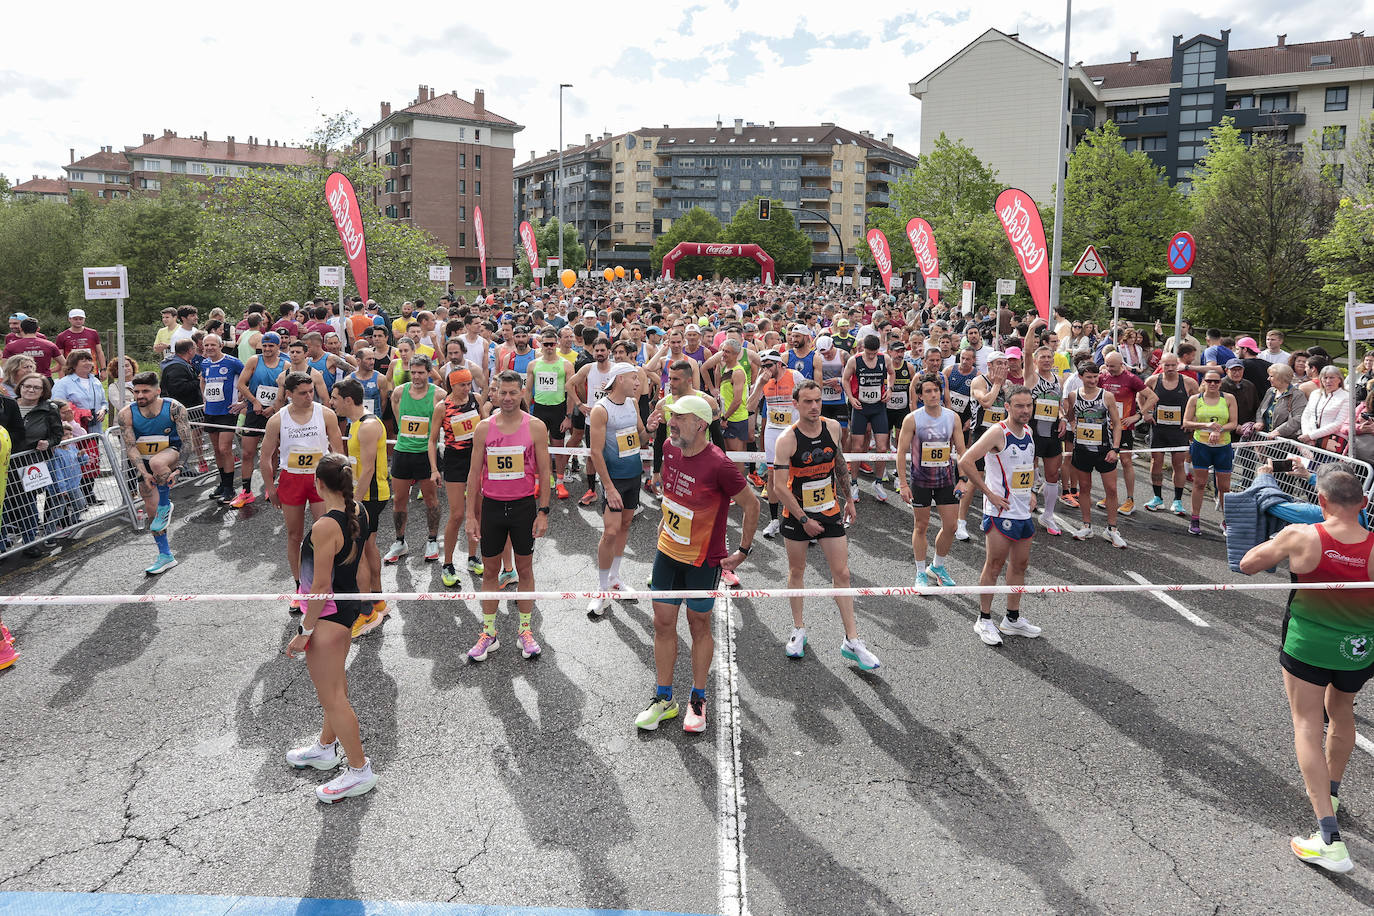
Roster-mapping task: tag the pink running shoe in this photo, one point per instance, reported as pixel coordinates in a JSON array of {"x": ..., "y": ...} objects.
[
  {"x": 528, "y": 646},
  {"x": 486, "y": 644}
]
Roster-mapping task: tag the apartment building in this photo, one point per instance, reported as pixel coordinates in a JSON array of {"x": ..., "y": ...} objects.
[
  {"x": 200, "y": 159},
  {"x": 51, "y": 190},
  {"x": 445, "y": 156},
  {"x": 106, "y": 174}
]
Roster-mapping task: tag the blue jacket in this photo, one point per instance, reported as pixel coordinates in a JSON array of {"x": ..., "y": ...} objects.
[{"x": 1249, "y": 520}]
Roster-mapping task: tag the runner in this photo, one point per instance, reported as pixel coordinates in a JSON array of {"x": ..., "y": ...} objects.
[
  {"x": 365, "y": 437},
  {"x": 698, "y": 484},
  {"x": 305, "y": 430},
  {"x": 1008, "y": 503},
  {"x": 153, "y": 429},
  {"x": 328, "y": 560},
  {"x": 298, "y": 360},
  {"x": 834, "y": 404},
  {"x": 868, "y": 376},
  {"x": 456, "y": 416},
  {"x": 1047, "y": 428},
  {"x": 1096, "y": 424},
  {"x": 773, "y": 389},
  {"x": 1210, "y": 416},
  {"x": 987, "y": 403},
  {"x": 1124, "y": 385},
  {"x": 219, "y": 375},
  {"x": 733, "y": 389},
  {"x": 1163, "y": 401},
  {"x": 414, "y": 407},
  {"x": 376, "y": 386},
  {"x": 257, "y": 387},
  {"x": 899, "y": 395},
  {"x": 510, "y": 474},
  {"x": 584, "y": 387},
  {"x": 546, "y": 390},
  {"x": 1327, "y": 650},
  {"x": 931, "y": 436},
  {"x": 811, "y": 479},
  {"x": 616, "y": 435}
]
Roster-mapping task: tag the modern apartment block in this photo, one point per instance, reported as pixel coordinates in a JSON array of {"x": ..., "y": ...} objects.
[
  {"x": 1002, "y": 98},
  {"x": 446, "y": 156},
  {"x": 827, "y": 175},
  {"x": 200, "y": 159},
  {"x": 106, "y": 174}
]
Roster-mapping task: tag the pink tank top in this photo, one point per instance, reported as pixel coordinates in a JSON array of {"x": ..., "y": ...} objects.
[{"x": 510, "y": 470}]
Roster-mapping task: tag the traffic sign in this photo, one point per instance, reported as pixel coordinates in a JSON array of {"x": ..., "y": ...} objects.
[
  {"x": 1090, "y": 265},
  {"x": 1181, "y": 253},
  {"x": 1126, "y": 297},
  {"x": 1178, "y": 282}
]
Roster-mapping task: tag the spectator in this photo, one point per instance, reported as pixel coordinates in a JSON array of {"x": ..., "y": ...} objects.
[
  {"x": 119, "y": 396},
  {"x": 80, "y": 386},
  {"x": 1256, "y": 369},
  {"x": 1360, "y": 381},
  {"x": 1316, "y": 362},
  {"x": 186, "y": 324},
  {"x": 1364, "y": 429},
  {"x": 16, "y": 367},
  {"x": 42, "y": 431},
  {"x": 32, "y": 344},
  {"x": 80, "y": 337},
  {"x": 1247, "y": 396},
  {"x": 1217, "y": 353},
  {"x": 163, "y": 341},
  {"x": 285, "y": 325},
  {"x": 1280, "y": 411},
  {"x": 180, "y": 379},
  {"x": 1274, "y": 351},
  {"x": 1326, "y": 408}
]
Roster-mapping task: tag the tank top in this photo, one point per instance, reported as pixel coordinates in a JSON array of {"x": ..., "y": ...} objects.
[
  {"x": 596, "y": 381},
  {"x": 621, "y": 449},
  {"x": 510, "y": 471},
  {"x": 1091, "y": 425},
  {"x": 380, "y": 487},
  {"x": 727, "y": 392},
  {"x": 322, "y": 364},
  {"x": 263, "y": 382},
  {"x": 1172, "y": 403},
  {"x": 221, "y": 388},
  {"x": 899, "y": 398},
  {"x": 1333, "y": 629},
  {"x": 869, "y": 383},
  {"x": 832, "y": 373},
  {"x": 345, "y": 578},
  {"x": 777, "y": 398},
  {"x": 372, "y": 392},
  {"x": 551, "y": 382},
  {"x": 961, "y": 391},
  {"x": 412, "y": 421},
  {"x": 246, "y": 348},
  {"x": 521, "y": 361},
  {"x": 303, "y": 444},
  {"x": 932, "y": 449},
  {"x": 1045, "y": 398},
  {"x": 460, "y": 422},
  {"x": 1011, "y": 473},
  {"x": 811, "y": 475},
  {"x": 989, "y": 417},
  {"x": 156, "y": 433},
  {"x": 1209, "y": 413},
  {"x": 806, "y": 365}
]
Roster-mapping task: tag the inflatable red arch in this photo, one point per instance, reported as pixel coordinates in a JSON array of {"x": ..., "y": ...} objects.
[{"x": 768, "y": 273}]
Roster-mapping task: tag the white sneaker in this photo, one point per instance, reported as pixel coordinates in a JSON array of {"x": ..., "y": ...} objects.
[
  {"x": 772, "y": 529},
  {"x": 319, "y": 756},
  {"x": 1084, "y": 534},
  {"x": 796, "y": 643},
  {"x": 987, "y": 631},
  {"x": 347, "y": 784},
  {"x": 1050, "y": 523},
  {"x": 398, "y": 550},
  {"x": 961, "y": 532},
  {"x": 1018, "y": 627},
  {"x": 1115, "y": 537},
  {"x": 878, "y": 492},
  {"x": 597, "y": 606},
  {"x": 431, "y": 550},
  {"x": 856, "y": 651}
]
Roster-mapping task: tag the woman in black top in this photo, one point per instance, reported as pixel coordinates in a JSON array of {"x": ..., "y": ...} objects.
[{"x": 329, "y": 563}]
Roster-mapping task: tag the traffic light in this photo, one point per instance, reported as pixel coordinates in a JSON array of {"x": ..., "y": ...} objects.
[
  {"x": 840, "y": 272},
  {"x": 763, "y": 208}
]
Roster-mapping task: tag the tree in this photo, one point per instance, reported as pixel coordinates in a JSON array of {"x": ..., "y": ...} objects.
[
  {"x": 546, "y": 237},
  {"x": 40, "y": 248},
  {"x": 696, "y": 225},
  {"x": 947, "y": 184},
  {"x": 4, "y": 187},
  {"x": 1256, "y": 207},
  {"x": 1121, "y": 203},
  {"x": 1345, "y": 255},
  {"x": 789, "y": 247}
]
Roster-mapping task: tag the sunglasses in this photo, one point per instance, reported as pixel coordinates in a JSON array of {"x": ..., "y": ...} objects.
[{"x": 1212, "y": 381}]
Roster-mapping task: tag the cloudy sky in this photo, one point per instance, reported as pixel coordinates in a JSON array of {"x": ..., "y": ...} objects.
[{"x": 87, "y": 79}]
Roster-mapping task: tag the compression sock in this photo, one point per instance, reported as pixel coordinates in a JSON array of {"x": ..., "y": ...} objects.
[
  {"x": 773, "y": 510},
  {"x": 603, "y": 579},
  {"x": 1159, "y": 490},
  {"x": 489, "y": 624},
  {"x": 164, "y": 494},
  {"x": 1051, "y": 495},
  {"x": 226, "y": 480},
  {"x": 1335, "y": 788},
  {"x": 1330, "y": 831},
  {"x": 525, "y": 622},
  {"x": 615, "y": 569},
  {"x": 1178, "y": 493},
  {"x": 664, "y": 692},
  {"x": 699, "y": 693},
  {"x": 162, "y": 546},
  {"x": 248, "y": 484}
]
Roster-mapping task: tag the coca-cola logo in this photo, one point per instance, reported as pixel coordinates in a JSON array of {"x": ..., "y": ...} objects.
[
  {"x": 881, "y": 256},
  {"x": 1017, "y": 221},
  {"x": 527, "y": 239},
  {"x": 351, "y": 234},
  {"x": 720, "y": 249},
  {"x": 921, "y": 245},
  {"x": 481, "y": 236}
]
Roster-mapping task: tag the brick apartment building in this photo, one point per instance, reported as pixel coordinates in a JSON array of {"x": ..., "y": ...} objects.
[{"x": 445, "y": 156}]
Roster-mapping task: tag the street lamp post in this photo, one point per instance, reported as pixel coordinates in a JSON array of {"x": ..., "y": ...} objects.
[
  {"x": 559, "y": 200},
  {"x": 1058, "y": 242}
]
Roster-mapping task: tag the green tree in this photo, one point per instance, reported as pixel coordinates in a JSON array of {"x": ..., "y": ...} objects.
[
  {"x": 892, "y": 226},
  {"x": 1256, "y": 208},
  {"x": 546, "y": 237},
  {"x": 696, "y": 225},
  {"x": 40, "y": 254},
  {"x": 789, "y": 247},
  {"x": 1121, "y": 203},
  {"x": 1345, "y": 255},
  {"x": 948, "y": 183},
  {"x": 4, "y": 187}
]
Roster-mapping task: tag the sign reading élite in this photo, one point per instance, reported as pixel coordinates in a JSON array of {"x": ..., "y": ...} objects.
[{"x": 105, "y": 282}]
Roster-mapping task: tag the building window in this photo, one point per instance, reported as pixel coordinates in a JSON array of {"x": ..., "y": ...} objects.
[
  {"x": 405, "y": 155},
  {"x": 706, "y": 184},
  {"x": 1333, "y": 137},
  {"x": 641, "y": 187},
  {"x": 858, "y": 230},
  {"x": 462, "y": 240},
  {"x": 647, "y": 144},
  {"x": 788, "y": 184},
  {"x": 765, "y": 184},
  {"x": 836, "y": 209},
  {"x": 620, "y": 187},
  {"x": 1337, "y": 97},
  {"x": 405, "y": 182},
  {"x": 789, "y": 162},
  {"x": 462, "y": 213},
  {"x": 1157, "y": 108},
  {"x": 477, "y": 188},
  {"x": 837, "y": 187},
  {"x": 78, "y": 176},
  {"x": 685, "y": 205},
  {"x": 837, "y": 165},
  {"x": 764, "y": 162},
  {"x": 858, "y": 209},
  {"x": 462, "y": 133},
  {"x": 1126, "y": 115},
  {"x": 726, "y": 163},
  {"x": 642, "y": 206},
  {"x": 462, "y": 160},
  {"x": 1199, "y": 65},
  {"x": 390, "y": 211},
  {"x": 620, "y": 168},
  {"x": 1337, "y": 174},
  {"x": 643, "y": 227},
  {"x": 477, "y": 135},
  {"x": 619, "y": 228},
  {"x": 1154, "y": 144},
  {"x": 619, "y": 206},
  {"x": 152, "y": 165},
  {"x": 858, "y": 187},
  {"x": 389, "y": 186},
  {"x": 859, "y": 167},
  {"x": 1276, "y": 101},
  {"x": 643, "y": 165},
  {"x": 197, "y": 168},
  {"x": 686, "y": 162},
  {"x": 746, "y": 184},
  {"x": 477, "y": 160},
  {"x": 462, "y": 185}
]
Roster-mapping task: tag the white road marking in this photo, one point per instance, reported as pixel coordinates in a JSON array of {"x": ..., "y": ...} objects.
[
  {"x": 1364, "y": 743},
  {"x": 1187, "y": 614},
  {"x": 730, "y": 795}
]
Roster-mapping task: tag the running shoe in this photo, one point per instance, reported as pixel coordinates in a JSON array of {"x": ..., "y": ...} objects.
[
  {"x": 1051, "y": 523},
  {"x": 587, "y": 498},
  {"x": 1155, "y": 504},
  {"x": 363, "y": 622},
  {"x": 6, "y": 636},
  {"x": 865, "y": 468},
  {"x": 729, "y": 578},
  {"x": 961, "y": 532},
  {"x": 1195, "y": 525},
  {"x": 1176, "y": 507},
  {"x": 296, "y": 606},
  {"x": 418, "y": 495},
  {"x": 1127, "y": 508},
  {"x": 941, "y": 575},
  {"x": 319, "y": 756},
  {"x": 1069, "y": 499},
  {"x": 657, "y": 712},
  {"x": 695, "y": 722},
  {"x": 528, "y": 646},
  {"x": 217, "y": 494},
  {"x": 475, "y": 566},
  {"x": 772, "y": 529},
  {"x": 8, "y": 655},
  {"x": 1225, "y": 532},
  {"x": 756, "y": 480},
  {"x": 1113, "y": 535},
  {"x": 507, "y": 578},
  {"x": 796, "y": 643},
  {"x": 597, "y": 607},
  {"x": 619, "y": 586},
  {"x": 164, "y": 562},
  {"x": 431, "y": 550},
  {"x": 347, "y": 784},
  {"x": 878, "y": 492},
  {"x": 562, "y": 490},
  {"x": 1102, "y": 503},
  {"x": 486, "y": 644},
  {"x": 398, "y": 550},
  {"x": 649, "y": 486},
  {"x": 856, "y": 651},
  {"x": 1019, "y": 627},
  {"x": 162, "y": 519},
  {"x": 1084, "y": 534},
  {"x": 449, "y": 575},
  {"x": 245, "y": 498},
  {"x": 1330, "y": 856},
  {"x": 922, "y": 579},
  {"x": 986, "y": 630}
]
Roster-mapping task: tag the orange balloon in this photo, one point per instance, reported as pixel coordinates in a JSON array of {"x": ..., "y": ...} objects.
[
  {"x": 568, "y": 277},
  {"x": 620, "y": 273},
  {"x": 636, "y": 273},
  {"x": 698, "y": 276},
  {"x": 608, "y": 274}
]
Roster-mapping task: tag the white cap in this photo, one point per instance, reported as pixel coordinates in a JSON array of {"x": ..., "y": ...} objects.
[
  {"x": 824, "y": 342},
  {"x": 801, "y": 329},
  {"x": 996, "y": 354},
  {"x": 76, "y": 313},
  {"x": 617, "y": 370},
  {"x": 589, "y": 314}
]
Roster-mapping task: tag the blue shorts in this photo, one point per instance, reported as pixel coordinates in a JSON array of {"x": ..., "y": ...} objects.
[
  {"x": 737, "y": 429},
  {"x": 1218, "y": 458},
  {"x": 872, "y": 418},
  {"x": 1013, "y": 529},
  {"x": 674, "y": 575}
]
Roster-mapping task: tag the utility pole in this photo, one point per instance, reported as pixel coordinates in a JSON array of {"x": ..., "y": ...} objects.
[
  {"x": 559, "y": 201},
  {"x": 1063, "y": 144}
]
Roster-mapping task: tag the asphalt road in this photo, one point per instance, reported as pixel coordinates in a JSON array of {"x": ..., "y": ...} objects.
[{"x": 1128, "y": 761}]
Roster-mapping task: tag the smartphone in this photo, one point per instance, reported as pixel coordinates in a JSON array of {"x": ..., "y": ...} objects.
[{"x": 1283, "y": 465}]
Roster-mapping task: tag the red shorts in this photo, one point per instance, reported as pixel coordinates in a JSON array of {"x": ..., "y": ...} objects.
[{"x": 296, "y": 489}]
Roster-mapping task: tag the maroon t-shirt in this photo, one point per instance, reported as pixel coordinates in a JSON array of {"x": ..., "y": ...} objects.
[
  {"x": 320, "y": 327},
  {"x": 1124, "y": 388},
  {"x": 84, "y": 339},
  {"x": 42, "y": 350},
  {"x": 696, "y": 495},
  {"x": 285, "y": 327}
]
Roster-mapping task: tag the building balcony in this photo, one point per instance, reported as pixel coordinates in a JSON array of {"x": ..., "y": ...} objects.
[
  {"x": 1145, "y": 125},
  {"x": 879, "y": 174},
  {"x": 1255, "y": 118},
  {"x": 598, "y": 175},
  {"x": 805, "y": 217},
  {"x": 1082, "y": 118},
  {"x": 694, "y": 171},
  {"x": 666, "y": 213},
  {"x": 815, "y": 193},
  {"x": 663, "y": 171},
  {"x": 817, "y": 235},
  {"x": 599, "y": 195},
  {"x": 815, "y": 171},
  {"x": 663, "y": 193},
  {"x": 880, "y": 198},
  {"x": 827, "y": 258},
  {"x": 601, "y": 213}
]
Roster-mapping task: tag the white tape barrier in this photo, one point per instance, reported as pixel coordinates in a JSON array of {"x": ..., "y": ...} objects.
[{"x": 900, "y": 591}]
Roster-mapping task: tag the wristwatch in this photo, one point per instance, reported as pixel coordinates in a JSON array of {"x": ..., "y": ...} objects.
[
  {"x": 302, "y": 631},
  {"x": 744, "y": 550},
  {"x": 544, "y": 509}
]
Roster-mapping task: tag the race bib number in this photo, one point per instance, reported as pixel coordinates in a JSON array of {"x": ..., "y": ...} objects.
[
  {"x": 214, "y": 391},
  {"x": 818, "y": 495},
  {"x": 958, "y": 402},
  {"x": 506, "y": 462},
  {"x": 415, "y": 426},
  {"x": 1022, "y": 479},
  {"x": 545, "y": 382},
  {"x": 151, "y": 445},
  {"x": 267, "y": 396},
  {"x": 1046, "y": 409},
  {"x": 1089, "y": 434},
  {"x": 779, "y": 417},
  {"x": 870, "y": 394},
  {"x": 302, "y": 462},
  {"x": 677, "y": 521},
  {"x": 934, "y": 454},
  {"x": 464, "y": 424},
  {"x": 627, "y": 441},
  {"x": 1169, "y": 416},
  {"x": 898, "y": 399},
  {"x": 370, "y": 404},
  {"x": 993, "y": 415}
]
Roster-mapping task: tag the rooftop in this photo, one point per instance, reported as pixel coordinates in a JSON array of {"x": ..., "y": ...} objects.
[
  {"x": 1273, "y": 60},
  {"x": 38, "y": 185},
  {"x": 107, "y": 160},
  {"x": 250, "y": 152}
]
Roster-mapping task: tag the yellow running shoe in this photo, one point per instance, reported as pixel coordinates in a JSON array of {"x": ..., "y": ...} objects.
[
  {"x": 360, "y": 625},
  {"x": 1330, "y": 856}
]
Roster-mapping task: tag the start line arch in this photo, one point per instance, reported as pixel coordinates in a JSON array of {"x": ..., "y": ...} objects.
[{"x": 768, "y": 273}]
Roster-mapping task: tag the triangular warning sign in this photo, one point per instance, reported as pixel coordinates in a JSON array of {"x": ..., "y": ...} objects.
[{"x": 1090, "y": 265}]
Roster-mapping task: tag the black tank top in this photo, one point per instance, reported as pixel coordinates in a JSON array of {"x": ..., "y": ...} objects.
[
  {"x": 811, "y": 474},
  {"x": 345, "y": 563}
]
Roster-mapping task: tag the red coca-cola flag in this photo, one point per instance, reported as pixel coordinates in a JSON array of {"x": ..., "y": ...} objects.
[
  {"x": 481, "y": 244},
  {"x": 531, "y": 246},
  {"x": 882, "y": 256},
  {"x": 343, "y": 205},
  {"x": 922, "y": 239},
  {"x": 1026, "y": 233}
]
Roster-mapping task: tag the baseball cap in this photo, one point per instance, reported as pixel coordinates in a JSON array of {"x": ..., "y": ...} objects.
[
  {"x": 619, "y": 369},
  {"x": 703, "y": 321},
  {"x": 801, "y": 329},
  {"x": 996, "y": 354},
  {"x": 654, "y": 329},
  {"x": 843, "y": 323},
  {"x": 692, "y": 404},
  {"x": 1014, "y": 353},
  {"x": 825, "y": 342},
  {"x": 18, "y": 316},
  {"x": 77, "y": 313},
  {"x": 770, "y": 356},
  {"x": 1248, "y": 343},
  {"x": 1235, "y": 363},
  {"x": 272, "y": 337},
  {"x": 589, "y": 314}
]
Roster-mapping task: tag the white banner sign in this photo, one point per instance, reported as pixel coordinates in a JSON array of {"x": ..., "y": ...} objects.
[
  {"x": 331, "y": 276},
  {"x": 540, "y": 272},
  {"x": 584, "y": 274},
  {"x": 934, "y": 284},
  {"x": 967, "y": 300},
  {"x": 833, "y": 281},
  {"x": 1359, "y": 321},
  {"x": 504, "y": 273},
  {"x": 553, "y": 263},
  {"x": 1127, "y": 297},
  {"x": 896, "y": 282},
  {"x": 440, "y": 273},
  {"x": 105, "y": 282},
  {"x": 36, "y": 477},
  {"x": 865, "y": 281},
  {"x": 1006, "y": 287},
  {"x": 1178, "y": 282}
]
